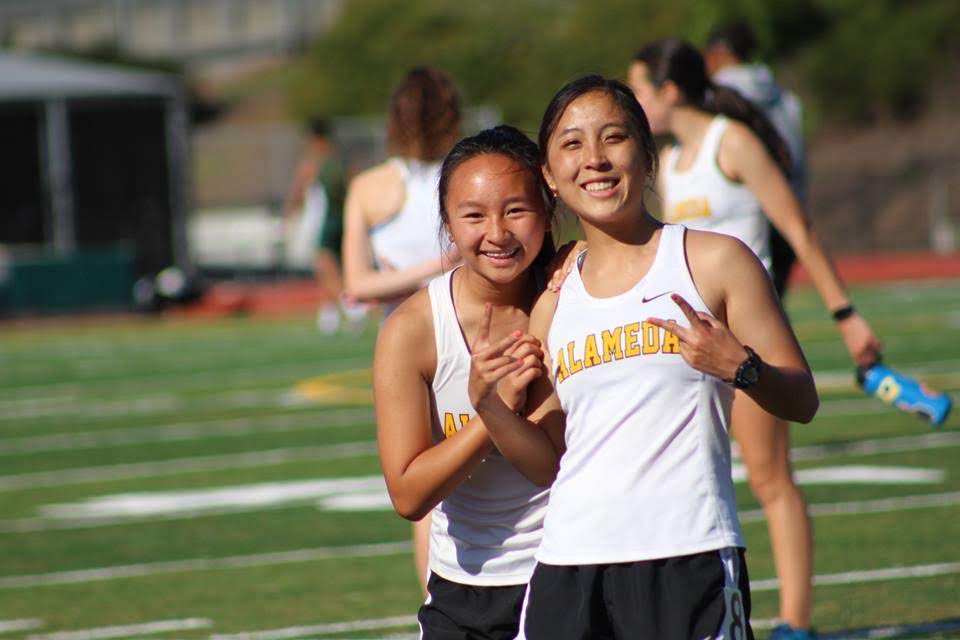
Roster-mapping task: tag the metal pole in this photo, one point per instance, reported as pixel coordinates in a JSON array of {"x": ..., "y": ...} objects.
[
  {"x": 178, "y": 170},
  {"x": 57, "y": 133}
]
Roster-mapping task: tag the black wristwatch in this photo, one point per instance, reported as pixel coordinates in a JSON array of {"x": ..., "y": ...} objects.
[{"x": 748, "y": 373}]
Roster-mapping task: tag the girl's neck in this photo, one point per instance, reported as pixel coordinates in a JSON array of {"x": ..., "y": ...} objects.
[
  {"x": 615, "y": 242},
  {"x": 689, "y": 124},
  {"x": 519, "y": 293}
]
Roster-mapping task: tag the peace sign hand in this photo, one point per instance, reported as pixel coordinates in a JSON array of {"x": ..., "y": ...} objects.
[
  {"x": 504, "y": 369},
  {"x": 707, "y": 345}
]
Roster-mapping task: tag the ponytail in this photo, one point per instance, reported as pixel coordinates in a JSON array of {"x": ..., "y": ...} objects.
[
  {"x": 729, "y": 102},
  {"x": 677, "y": 61}
]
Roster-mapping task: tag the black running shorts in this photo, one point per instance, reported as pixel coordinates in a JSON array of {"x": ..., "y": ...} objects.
[
  {"x": 683, "y": 598},
  {"x": 455, "y": 611}
]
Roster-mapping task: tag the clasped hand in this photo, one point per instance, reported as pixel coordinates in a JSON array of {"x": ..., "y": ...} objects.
[{"x": 502, "y": 370}]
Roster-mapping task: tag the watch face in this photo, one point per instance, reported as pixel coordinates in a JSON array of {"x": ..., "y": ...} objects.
[{"x": 751, "y": 374}]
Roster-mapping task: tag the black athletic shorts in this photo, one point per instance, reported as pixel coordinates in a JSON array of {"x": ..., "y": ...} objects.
[
  {"x": 455, "y": 611},
  {"x": 684, "y": 598}
]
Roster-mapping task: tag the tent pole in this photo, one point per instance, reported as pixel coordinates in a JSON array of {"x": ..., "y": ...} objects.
[
  {"x": 57, "y": 132},
  {"x": 178, "y": 167}
]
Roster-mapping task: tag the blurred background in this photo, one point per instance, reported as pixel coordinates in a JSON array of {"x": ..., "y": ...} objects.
[
  {"x": 211, "y": 471},
  {"x": 148, "y": 133}
]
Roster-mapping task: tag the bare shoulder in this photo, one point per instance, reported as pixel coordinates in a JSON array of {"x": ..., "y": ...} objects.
[
  {"x": 369, "y": 181},
  {"x": 379, "y": 187},
  {"x": 739, "y": 138},
  {"x": 718, "y": 261},
  {"x": 714, "y": 249},
  {"x": 408, "y": 332}
]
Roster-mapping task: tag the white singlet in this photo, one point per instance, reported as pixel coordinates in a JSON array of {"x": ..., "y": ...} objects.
[
  {"x": 702, "y": 197},
  {"x": 412, "y": 235},
  {"x": 646, "y": 473},
  {"x": 487, "y": 531}
]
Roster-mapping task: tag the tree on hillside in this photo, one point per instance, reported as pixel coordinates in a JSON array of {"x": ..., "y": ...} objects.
[{"x": 857, "y": 60}]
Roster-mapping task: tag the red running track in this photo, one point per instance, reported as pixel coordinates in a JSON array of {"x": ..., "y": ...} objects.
[{"x": 299, "y": 296}]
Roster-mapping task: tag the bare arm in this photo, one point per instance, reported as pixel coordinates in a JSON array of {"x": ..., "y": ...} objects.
[
  {"x": 535, "y": 444},
  {"x": 362, "y": 281},
  {"x": 419, "y": 474},
  {"x": 737, "y": 288},
  {"x": 746, "y": 159}
]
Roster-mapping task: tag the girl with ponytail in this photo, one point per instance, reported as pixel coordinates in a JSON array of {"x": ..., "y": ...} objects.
[
  {"x": 386, "y": 253},
  {"x": 728, "y": 172}
]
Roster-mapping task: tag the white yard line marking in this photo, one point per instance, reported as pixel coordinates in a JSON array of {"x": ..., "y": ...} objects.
[
  {"x": 187, "y": 431},
  {"x": 764, "y": 623},
  {"x": 203, "y": 564},
  {"x": 853, "y": 474},
  {"x": 346, "y": 497},
  {"x": 869, "y": 474},
  {"x": 856, "y": 507},
  {"x": 374, "y": 499},
  {"x": 126, "y": 631},
  {"x": 190, "y": 378},
  {"x": 146, "y": 405},
  {"x": 320, "y": 629},
  {"x": 27, "y": 525},
  {"x": 879, "y": 445},
  {"x": 198, "y": 430},
  {"x": 869, "y": 575},
  {"x": 264, "y": 494},
  {"x": 360, "y": 501},
  {"x": 23, "y": 624},
  {"x": 177, "y": 466},
  {"x": 895, "y": 631}
]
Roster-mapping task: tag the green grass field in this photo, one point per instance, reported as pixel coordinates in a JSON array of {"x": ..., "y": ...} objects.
[{"x": 196, "y": 479}]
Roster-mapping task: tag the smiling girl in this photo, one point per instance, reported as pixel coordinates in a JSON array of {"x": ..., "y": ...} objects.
[
  {"x": 645, "y": 344},
  {"x": 436, "y": 455}
]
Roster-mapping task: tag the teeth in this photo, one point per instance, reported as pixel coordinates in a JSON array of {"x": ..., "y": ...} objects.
[
  {"x": 500, "y": 254},
  {"x": 600, "y": 185}
]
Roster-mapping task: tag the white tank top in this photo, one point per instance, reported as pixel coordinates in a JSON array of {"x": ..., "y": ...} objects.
[
  {"x": 487, "y": 531},
  {"x": 412, "y": 235},
  {"x": 646, "y": 473},
  {"x": 702, "y": 197}
]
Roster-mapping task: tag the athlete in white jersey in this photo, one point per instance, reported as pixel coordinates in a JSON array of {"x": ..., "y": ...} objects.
[
  {"x": 436, "y": 455},
  {"x": 390, "y": 243},
  {"x": 402, "y": 241},
  {"x": 486, "y": 531},
  {"x": 702, "y": 197},
  {"x": 645, "y": 345},
  {"x": 737, "y": 159},
  {"x": 728, "y": 54},
  {"x": 393, "y": 199}
]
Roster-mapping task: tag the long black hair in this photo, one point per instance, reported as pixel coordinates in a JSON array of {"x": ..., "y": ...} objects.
[
  {"x": 679, "y": 62},
  {"x": 512, "y": 143},
  {"x": 620, "y": 93}
]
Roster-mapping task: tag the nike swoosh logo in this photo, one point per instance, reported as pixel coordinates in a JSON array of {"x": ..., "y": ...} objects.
[{"x": 651, "y": 298}]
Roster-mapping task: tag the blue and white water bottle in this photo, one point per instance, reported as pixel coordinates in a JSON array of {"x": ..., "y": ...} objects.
[{"x": 904, "y": 393}]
